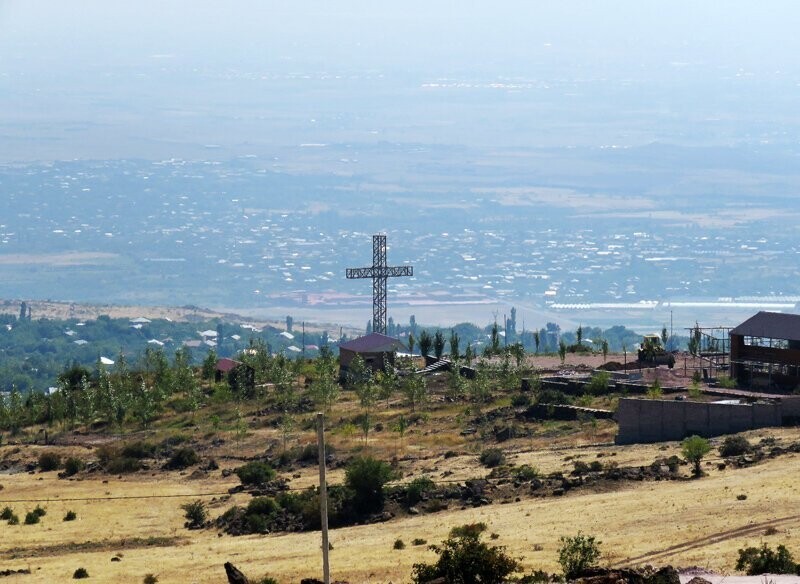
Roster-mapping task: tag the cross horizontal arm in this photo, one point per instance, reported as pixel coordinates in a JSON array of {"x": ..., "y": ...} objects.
[{"x": 380, "y": 272}]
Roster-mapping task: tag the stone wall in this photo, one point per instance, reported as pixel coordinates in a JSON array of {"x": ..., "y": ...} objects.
[{"x": 645, "y": 420}]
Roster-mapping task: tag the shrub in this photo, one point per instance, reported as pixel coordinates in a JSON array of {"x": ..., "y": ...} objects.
[
  {"x": 655, "y": 391},
  {"x": 80, "y": 573},
  {"x": 6, "y": 513},
  {"x": 520, "y": 400},
  {"x": 694, "y": 448},
  {"x": 468, "y": 530},
  {"x": 49, "y": 461},
  {"x": 182, "y": 458},
  {"x": 726, "y": 382},
  {"x": 366, "y": 477},
  {"x": 525, "y": 472},
  {"x": 417, "y": 488},
  {"x": 72, "y": 466},
  {"x": 577, "y": 554},
  {"x": 267, "y": 580},
  {"x": 466, "y": 559},
  {"x": 764, "y": 560},
  {"x": 70, "y": 516},
  {"x": 598, "y": 384},
  {"x": 492, "y": 457},
  {"x": 139, "y": 449},
  {"x": 195, "y": 514},
  {"x": 13, "y": 520},
  {"x": 255, "y": 473},
  {"x": 734, "y": 446},
  {"x": 39, "y": 511},
  {"x": 262, "y": 506},
  {"x": 399, "y": 544},
  {"x": 31, "y": 518},
  {"x": 552, "y": 397},
  {"x": 418, "y": 541},
  {"x": 150, "y": 579},
  {"x": 581, "y": 468},
  {"x": 122, "y": 465}
]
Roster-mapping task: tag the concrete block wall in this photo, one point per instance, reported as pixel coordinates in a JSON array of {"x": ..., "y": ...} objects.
[{"x": 645, "y": 420}]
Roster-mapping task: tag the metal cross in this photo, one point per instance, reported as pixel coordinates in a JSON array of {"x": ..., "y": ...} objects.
[{"x": 379, "y": 272}]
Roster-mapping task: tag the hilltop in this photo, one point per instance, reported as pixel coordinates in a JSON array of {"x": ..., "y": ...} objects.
[{"x": 461, "y": 452}]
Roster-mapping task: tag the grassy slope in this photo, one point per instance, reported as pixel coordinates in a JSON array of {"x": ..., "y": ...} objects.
[{"x": 641, "y": 518}]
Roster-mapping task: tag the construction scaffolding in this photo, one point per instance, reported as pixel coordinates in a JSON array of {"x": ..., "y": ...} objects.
[{"x": 711, "y": 348}]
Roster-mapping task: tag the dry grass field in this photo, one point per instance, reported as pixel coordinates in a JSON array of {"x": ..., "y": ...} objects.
[{"x": 138, "y": 519}]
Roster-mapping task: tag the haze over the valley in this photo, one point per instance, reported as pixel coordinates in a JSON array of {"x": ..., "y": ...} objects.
[{"x": 586, "y": 161}]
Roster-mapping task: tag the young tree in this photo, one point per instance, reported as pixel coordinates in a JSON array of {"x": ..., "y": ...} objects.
[
  {"x": 468, "y": 355},
  {"x": 536, "y": 340},
  {"x": 325, "y": 388},
  {"x": 411, "y": 342},
  {"x": 579, "y": 334},
  {"x": 578, "y": 553},
  {"x": 400, "y": 427},
  {"x": 415, "y": 388},
  {"x": 495, "y": 336},
  {"x": 425, "y": 343},
  {"x": 438, "y": 344},
  {"x": 664, "y": 336},
  {"x": 694, "y": 448},
  {"x": 562, "y": 351},
  {"x": 604, "y": 348},
  {"x": 454, "y": 348},
  {"x": 209, "y": 368}
]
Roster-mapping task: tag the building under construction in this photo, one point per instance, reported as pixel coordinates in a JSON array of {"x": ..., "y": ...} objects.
[{"x": 765, "y": 351}]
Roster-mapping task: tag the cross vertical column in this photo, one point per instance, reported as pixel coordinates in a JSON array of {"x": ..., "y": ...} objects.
[{"x": 379, "y": 284}]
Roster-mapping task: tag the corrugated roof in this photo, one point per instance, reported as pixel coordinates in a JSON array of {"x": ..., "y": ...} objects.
[
  {"x": 373, "y": 343},
  {"x": 775, "y": 325}
]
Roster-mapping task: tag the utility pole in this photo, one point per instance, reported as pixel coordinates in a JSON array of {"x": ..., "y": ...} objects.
[{"x": 323, "y": 498}]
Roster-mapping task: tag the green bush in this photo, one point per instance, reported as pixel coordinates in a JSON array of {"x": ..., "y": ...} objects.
[
  {"x": 417, "y": 488},
  {"x": 734, "y": 446},
  {"x": 72, "y": 466},
  {"x": 520, "y": 400},
  {"x": 366, "y": 477},
  {"x": 262, "y": 506},
  {"x": 267, "y": 580},
  {"x": 756, "y": 561},
  {"x": 49, "y": 461},
  {"x": 6, "y": 513},
  {"x": 418, "y": 541},
  {"x": 399, "y": 544},
  {"x": 70, "y": 516},
  {"x": 525, "y": 472},
  {"x": 492, "y": 457},
  {"x": 182, "y": 458},
  {"x": 31, "y": 518},
  {"x": 39, "y": 511},
  {"x": 150, "y": 579},
  {"x": 577, "y": 554},
  {"x": 195, "y": 514},
  {"x": 255, "y": 473},
  {"x": 726, "y": 382},
  {"x": 122, "y": 465},
  {"x": 139, "y": 450},
  {"x": 13, "y": 520},
  {"x": 598, "y": 384},
  {"x": 468, "y": 530},
  {"x": 694, "y": 448},
  {"x": 80, "y": 573},
  {"x": 466, "y": 559}
]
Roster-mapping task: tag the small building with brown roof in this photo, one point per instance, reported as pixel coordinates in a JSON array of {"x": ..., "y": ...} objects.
[
  {"x": 240, "y": 376},
  {"x": 373, "y": 348}
]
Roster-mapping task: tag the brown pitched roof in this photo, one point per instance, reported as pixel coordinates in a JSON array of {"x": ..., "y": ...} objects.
[
  {"x": 775, "y": 325},
  {"x": 373, "y": 343},
  {"x": 226, "y": 364}
]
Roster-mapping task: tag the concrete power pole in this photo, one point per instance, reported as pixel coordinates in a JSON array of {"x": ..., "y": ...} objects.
[{"x": 323, "y": 498}]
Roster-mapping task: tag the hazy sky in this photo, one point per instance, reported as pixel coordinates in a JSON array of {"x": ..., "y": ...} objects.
[
  {"x": 424, "y": 34},
  {"x": 78, "y": 76}
]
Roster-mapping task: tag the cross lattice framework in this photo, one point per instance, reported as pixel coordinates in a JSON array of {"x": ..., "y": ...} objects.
[{"x": 379, "y": 272}]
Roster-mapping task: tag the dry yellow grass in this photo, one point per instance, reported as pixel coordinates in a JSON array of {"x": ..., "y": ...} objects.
[{"x": 638, "y": 519}]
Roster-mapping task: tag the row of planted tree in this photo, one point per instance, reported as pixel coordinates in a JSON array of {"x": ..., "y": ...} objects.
[{"x": 134, "y": 394}]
